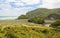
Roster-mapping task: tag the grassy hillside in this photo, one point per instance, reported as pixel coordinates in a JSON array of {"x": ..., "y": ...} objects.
[
  {"x": 22, "y": 29},
  {"x": 43, "y": 12}
]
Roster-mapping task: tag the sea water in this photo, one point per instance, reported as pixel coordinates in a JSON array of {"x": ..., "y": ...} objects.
[{"x": 8, "y": 17}]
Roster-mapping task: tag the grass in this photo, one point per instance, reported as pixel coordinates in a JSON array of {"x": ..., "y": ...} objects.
[{"x": 22, "y": 29}]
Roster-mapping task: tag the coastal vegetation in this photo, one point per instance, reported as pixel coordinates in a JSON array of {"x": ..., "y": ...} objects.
[
  {"x": 21, "y": 29},
  {"x": 23, "y": 17},
  {"x": 38, "y": 20},
  {"x": 40, "y": 15},
  {"x": 33, "y": 25},
  {"x": 56, "y": 24}
]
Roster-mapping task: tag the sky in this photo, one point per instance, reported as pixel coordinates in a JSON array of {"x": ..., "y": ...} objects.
[{"x": 18, "y": 7}]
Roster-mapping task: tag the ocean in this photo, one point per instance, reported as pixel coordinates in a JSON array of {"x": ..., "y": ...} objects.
[{"x": 8, "y": 17}]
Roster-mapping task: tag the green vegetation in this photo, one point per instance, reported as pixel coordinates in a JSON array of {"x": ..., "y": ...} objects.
[
  {"x": 43, "y": 12},
  {"x": 23, "y": 17},
  {"x": 21, "y": 29},
  {"x": 47, "y": 14},
  {"x": 56, "y": 24},
  {"x": 38, "y": 20},
  {"x": 34, "y": 28},
  {"x": 11, "y": 35}
]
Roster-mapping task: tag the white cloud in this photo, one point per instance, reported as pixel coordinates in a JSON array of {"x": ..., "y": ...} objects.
[
  {"x": 10, "y": 0},
  {"x": 51, "y": 4},
  {"x": 25, "y": 1},
  {"x": 19, "y": 4},
  {"x": 31, "y": 1},
  {"x": 12, "y": 12},
  {"x": 8, "y": 10}
]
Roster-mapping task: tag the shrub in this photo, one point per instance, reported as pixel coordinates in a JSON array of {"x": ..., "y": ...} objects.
[
  {"x": 23, "y": 17},
  {"x": 45, "y": 31},
  {"x": 56, "y": 24},
  {"x": 11, "y": 35},
  {"x": 38, "y": 20}
]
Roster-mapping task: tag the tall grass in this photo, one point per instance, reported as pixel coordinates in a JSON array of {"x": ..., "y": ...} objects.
[{"x": 16, "y": 29}]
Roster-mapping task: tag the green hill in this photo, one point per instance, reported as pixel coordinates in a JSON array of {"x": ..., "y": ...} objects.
[
  {"x": 40, "y": 12},
  {"x": 43, "y": 12}
]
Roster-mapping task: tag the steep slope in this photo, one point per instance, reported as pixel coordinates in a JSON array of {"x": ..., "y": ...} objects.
[{"x": 43, "y": 12}]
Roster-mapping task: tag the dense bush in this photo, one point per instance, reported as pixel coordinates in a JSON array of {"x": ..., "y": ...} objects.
[
  {"x": 23, "y": 17},
  {"x": 11, "y": 35},
  {"x": 38, "y": 20},
  {"x": 56, "y": 24}
]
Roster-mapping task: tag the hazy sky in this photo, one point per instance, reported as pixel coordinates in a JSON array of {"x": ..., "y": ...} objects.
[{"x": 18, "y": 7}]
